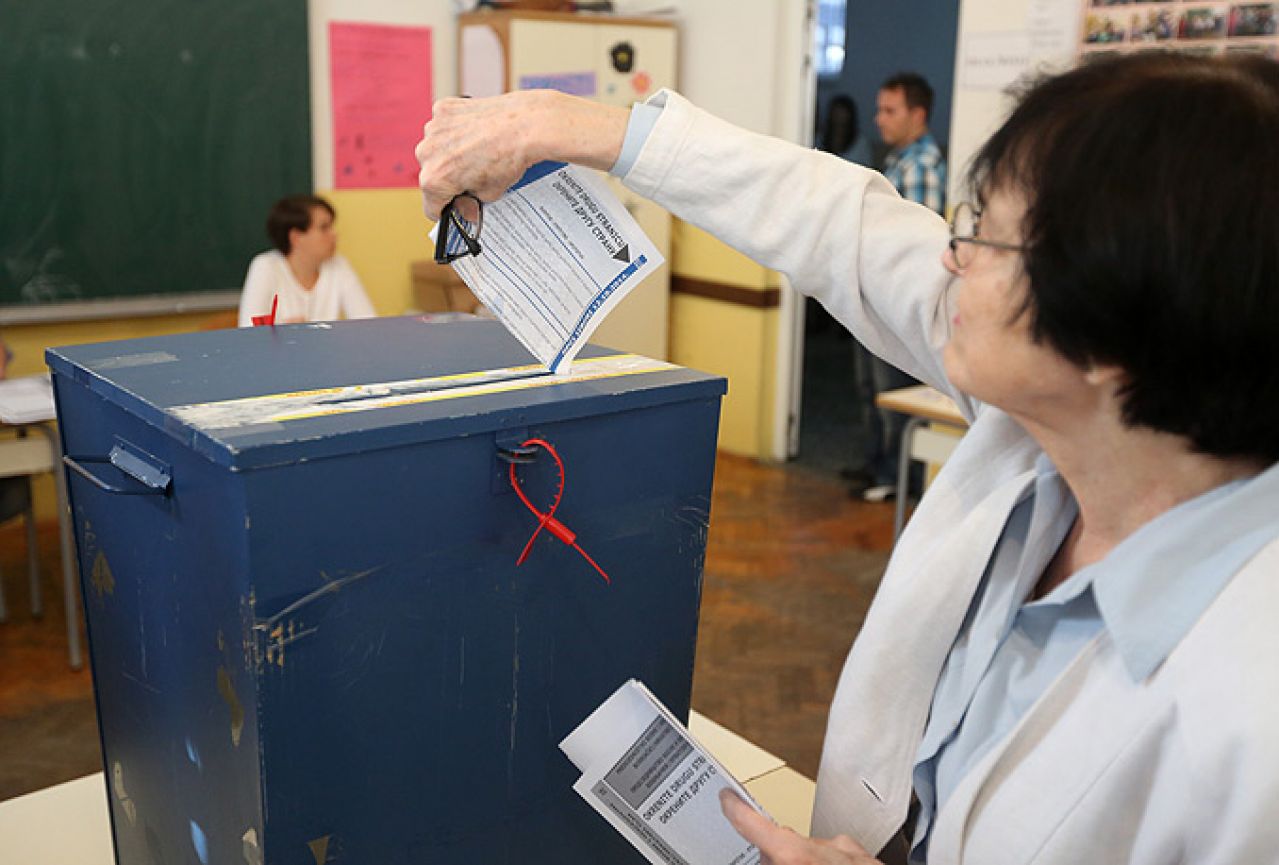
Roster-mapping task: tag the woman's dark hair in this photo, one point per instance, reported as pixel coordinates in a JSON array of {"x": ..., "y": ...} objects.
[
  {"x": 842, "y": 127},
  {"x": 290, "y": 212},
  {"x": 1152, "y": 235}
]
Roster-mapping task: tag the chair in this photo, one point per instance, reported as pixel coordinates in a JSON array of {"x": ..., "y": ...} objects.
[{"x": 15, "y": 499}]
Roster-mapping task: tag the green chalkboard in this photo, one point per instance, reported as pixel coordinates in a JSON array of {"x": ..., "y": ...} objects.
[{"x": 142, "y": 142}]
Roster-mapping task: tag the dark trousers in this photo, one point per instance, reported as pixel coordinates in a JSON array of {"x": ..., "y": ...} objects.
[{"x": 883, "y": 428}]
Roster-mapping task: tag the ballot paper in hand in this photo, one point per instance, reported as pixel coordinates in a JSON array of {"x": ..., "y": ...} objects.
[
  {"x": 644, "y": 773},
  {"x": 559, "y": 251}
]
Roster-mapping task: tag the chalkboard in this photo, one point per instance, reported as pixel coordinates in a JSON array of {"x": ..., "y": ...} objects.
[{"x": 142, "y": 142}]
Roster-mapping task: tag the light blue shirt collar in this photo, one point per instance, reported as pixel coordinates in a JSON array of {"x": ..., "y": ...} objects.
[
  {"x": 1160, "y": 580},
  {"x": 1153, "y": 586}
]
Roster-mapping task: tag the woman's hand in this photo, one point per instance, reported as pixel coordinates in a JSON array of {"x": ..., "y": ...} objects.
[
  {"x": 483, "y": 146},
  {"x": 780, "y": 846}
]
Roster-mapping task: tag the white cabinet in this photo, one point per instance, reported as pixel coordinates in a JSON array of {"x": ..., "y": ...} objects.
[{"x": 617, "y": 61}]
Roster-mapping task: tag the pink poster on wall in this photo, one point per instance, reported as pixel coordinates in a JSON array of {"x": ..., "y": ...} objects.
[{"x": 381, "y": 83}]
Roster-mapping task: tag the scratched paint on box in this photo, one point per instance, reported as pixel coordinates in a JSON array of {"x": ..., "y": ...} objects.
[
  {"x": 227, "y": 691},
  {"x": 102, "y": 579},
  {"x": 320, "y": 849},
  {"x": 301, "y": 405}
]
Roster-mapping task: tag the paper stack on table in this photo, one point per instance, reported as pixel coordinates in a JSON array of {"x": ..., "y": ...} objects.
[
  {"x": 657, "y": 786},
  {"x": 558, "y": 252},
  {"x": 26, "y": 400}
]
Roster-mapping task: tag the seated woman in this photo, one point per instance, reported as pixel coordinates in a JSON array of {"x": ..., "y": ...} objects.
[{"x": 312, "y": 282}]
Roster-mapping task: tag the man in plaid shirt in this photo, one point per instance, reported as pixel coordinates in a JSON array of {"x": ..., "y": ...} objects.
[
  {"x": 914, "y": 164},
  {"x": 916, "y": 167}
]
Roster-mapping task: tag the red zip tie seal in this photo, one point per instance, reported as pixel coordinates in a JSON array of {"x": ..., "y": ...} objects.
[{"x": 547, "y": 520}]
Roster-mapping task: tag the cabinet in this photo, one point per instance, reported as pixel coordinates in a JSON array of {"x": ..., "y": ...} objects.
[{"x": 617, "y": 61}]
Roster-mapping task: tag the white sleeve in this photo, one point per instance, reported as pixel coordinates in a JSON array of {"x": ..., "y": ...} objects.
[
  {"x": 259, "y": 289},
  {"x": 352, "y": 298},
  {"x": 840, "y": 232}
]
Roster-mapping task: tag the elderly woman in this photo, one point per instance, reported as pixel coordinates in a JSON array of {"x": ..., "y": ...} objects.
[{"x": 1071, "y": 656}]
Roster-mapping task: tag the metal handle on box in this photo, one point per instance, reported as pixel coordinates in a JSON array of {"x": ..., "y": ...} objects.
[
  {"x": 152, "y": 476},
  {"x": 511, "y": 447},
  {"x": 518, "y": 455}
]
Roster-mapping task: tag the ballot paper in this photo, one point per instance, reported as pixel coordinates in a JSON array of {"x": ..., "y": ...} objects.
[
  {"x": 26, "y": 400},
  {"x": 646, "y": 775},
  {"x": 558, "y": 252}
]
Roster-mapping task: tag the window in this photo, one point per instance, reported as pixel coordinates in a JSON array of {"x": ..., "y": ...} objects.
[{"x": 828, "y": 51}]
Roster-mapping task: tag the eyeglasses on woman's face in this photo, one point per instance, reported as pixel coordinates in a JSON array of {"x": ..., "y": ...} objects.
[{"x": 965, "y": 226}]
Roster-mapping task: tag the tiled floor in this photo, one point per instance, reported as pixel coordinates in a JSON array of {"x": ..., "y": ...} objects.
[
  {"x": 48, "y": 729},
  {"x": 790, "y": 571}
]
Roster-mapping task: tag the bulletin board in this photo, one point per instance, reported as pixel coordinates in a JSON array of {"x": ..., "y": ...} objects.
[{"x": 1192, "y": 26}]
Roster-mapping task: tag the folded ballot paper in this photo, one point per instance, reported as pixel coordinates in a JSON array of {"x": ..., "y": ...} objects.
[
  {"x": 558, "y": 252},
  {"x": 644, "y": 773}
]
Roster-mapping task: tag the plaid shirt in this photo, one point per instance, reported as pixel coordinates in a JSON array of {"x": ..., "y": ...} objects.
[{"x": 919, "y": 173}]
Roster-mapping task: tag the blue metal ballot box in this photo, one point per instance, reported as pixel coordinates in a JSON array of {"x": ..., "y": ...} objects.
[{"x": 310, "y": 639}]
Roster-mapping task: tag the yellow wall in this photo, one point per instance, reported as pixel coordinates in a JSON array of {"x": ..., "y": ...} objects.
[
  {"x": 381, "y": 231},
  {"x": 735, "y": 341}
]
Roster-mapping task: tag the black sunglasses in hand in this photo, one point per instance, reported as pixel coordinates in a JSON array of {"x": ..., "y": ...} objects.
[{"x": 458, "y": 236}]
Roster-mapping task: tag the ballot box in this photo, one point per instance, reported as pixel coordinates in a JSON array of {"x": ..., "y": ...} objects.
[{"x": 311, "y": 641}]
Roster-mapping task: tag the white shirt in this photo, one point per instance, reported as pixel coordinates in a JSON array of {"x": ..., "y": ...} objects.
[{"x": 337, "y": 294}]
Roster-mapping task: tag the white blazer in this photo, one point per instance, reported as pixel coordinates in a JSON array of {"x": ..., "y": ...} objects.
[{"x": 1180, "y": 767}]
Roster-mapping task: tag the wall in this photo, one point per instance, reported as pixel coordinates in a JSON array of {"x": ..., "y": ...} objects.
[
  {"x": 742, "y": 60},
  {"x": 888, "y": 36},
  {"x": 381, "y": 231}
]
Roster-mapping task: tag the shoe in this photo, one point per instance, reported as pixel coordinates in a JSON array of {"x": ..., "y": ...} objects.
[
  {"x": 855, "y": 474},
  {"x": 880, "y": 493},
  {"x": 859, "y": 480}
]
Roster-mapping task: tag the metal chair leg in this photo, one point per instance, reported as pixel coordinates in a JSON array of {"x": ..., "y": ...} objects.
[
  {"x": 33, "y": 561},
  {"x": 69, "y": 583},
  {"x": 903, "y": 476}
]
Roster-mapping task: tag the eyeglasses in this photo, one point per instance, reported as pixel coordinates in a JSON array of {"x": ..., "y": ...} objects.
[
  {"x": 458, "y": 236},
  {"x": 965, "y": 225}
]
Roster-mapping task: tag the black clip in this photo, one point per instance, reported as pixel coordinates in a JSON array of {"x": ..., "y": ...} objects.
[{"x": 517, "y": 454}]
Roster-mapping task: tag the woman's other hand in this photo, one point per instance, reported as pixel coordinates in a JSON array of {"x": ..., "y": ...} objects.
[
  {"x": 483, "y": 146},
  {"x": 781, "y": 846}
]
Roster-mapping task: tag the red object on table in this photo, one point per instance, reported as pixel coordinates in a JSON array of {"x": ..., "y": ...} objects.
[{"x": 259, "y": 320}]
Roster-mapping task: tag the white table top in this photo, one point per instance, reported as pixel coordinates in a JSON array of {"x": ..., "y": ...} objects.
[
  {"x": 68, "y": 824},
  {"x": 26, "y": 400}
]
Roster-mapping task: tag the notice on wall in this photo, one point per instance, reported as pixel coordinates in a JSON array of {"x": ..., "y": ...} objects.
[
  {"x": 1053, "y": 28},
  {"x": 572, "y": 83},
  {"x": 382, "y": 95},
  {"x": 993, "y": 61},
  {"x": 483, "y": 71}
]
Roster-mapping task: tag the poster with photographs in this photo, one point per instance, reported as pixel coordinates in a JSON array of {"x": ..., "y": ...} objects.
[{"x": 1193, "y": 26}]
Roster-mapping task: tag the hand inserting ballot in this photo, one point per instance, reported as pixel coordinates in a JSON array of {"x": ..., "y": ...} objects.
[{"x": 483, "y": 146}]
